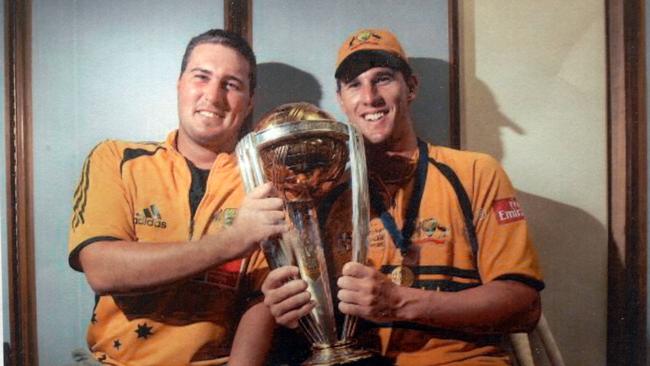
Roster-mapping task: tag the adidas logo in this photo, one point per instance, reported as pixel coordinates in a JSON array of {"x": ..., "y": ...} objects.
[{"x": 150, "y": 216}]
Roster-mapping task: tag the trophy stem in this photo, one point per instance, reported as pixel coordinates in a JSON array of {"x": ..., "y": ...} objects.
[
  {"x": 278, "y": 255},
  {"x": 349, "y": 327},
  {"x": 360, "y": 213},
  {"x": 308, "y": 326},
  {"x": 313, "y": 268}
]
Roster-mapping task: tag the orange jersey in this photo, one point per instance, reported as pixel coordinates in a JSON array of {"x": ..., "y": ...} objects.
[
  {"x": 140, "y": 192},
  {"x": 440, "y": 257}
]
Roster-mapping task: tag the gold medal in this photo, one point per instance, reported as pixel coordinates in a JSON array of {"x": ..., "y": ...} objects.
[{"x": 402, "y": 275}]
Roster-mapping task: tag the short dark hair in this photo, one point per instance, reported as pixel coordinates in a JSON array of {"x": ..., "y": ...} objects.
[
  {"x": 228, "y": 39},
  {"x": 361, "y": 61}
]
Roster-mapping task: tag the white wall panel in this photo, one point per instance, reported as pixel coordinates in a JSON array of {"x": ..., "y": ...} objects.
[{"x": 534, "y": 96}]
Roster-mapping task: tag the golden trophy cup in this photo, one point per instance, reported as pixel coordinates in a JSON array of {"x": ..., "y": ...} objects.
[{"x": 304, "y": 152}]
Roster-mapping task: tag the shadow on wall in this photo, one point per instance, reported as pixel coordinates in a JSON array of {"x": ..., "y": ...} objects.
[
  {"x": 565, "y": 238},
  {"x": 492, "y": 121},
  {"x": 430, "y": 110},
  {"x": 280, "y": 83}
]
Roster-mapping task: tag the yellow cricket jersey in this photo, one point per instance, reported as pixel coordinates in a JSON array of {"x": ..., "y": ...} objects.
[
  {"x": 140, "y": 192},
  {"x": 440, "y": 256}
]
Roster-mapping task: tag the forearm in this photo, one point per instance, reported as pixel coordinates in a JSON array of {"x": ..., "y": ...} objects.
[
  {"x": 253, "y": 337},
  {"x": 122, "y": 266},
  {"x": 495, "y": 307}
]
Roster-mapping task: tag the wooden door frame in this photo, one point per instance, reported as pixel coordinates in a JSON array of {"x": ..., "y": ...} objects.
[
  {"x": 238, "y": 18},
  {"x": 627, "y": 174},
  {"x": 453, "y": 8},
  {"x": 19, "y": 184}
]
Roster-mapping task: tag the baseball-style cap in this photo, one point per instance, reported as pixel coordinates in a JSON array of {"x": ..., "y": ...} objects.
[{"x": 367, "y": 48}]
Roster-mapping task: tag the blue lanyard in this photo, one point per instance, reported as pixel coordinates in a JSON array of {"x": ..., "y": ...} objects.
[{"x": 402, "y": 238}]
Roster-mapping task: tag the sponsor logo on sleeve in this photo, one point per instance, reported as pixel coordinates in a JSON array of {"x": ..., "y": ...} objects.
[{"x": 508, "y": 210}]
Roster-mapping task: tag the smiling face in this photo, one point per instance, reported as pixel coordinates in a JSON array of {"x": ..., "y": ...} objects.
[
  {"x": 377, "y": 103},
  {"x": 214, "y": 98}
]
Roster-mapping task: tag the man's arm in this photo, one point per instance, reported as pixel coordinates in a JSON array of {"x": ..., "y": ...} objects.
[
  {"x": 253, "y": 337},
  {"x": 494, "y": 307},
  {"x": 122, "y": 266}
]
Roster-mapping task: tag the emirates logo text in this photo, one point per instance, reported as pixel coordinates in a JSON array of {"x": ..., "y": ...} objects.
[{"x": 508, "y": 210}]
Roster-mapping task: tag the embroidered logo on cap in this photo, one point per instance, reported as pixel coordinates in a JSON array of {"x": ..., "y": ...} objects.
[
  {"x": 363, "y": 37},
  {"x": 508, "y": 210}
]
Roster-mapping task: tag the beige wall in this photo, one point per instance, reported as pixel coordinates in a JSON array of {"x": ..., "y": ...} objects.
[{"x": 534, "y": 96}]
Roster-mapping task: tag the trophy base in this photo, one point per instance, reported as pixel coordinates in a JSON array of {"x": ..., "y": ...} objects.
[{"x": 337, "y": 354}]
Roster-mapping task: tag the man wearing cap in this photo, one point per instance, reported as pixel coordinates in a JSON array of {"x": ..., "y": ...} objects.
[{"x": 450, "y": 264}]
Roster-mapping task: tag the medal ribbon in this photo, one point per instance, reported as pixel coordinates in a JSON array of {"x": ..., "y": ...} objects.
[{"x": 402, "y": 238}]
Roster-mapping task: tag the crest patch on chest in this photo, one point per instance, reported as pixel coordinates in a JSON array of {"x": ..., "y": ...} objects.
[{"x": 432, "y": 230}]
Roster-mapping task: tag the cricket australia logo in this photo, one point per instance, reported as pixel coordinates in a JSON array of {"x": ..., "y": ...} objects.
[
  {"x": 149, "y": 216},
  {"x": 225, "y": 217},
  {"x": 434, "y": 231},
  {"x": 362, "y": 37}
]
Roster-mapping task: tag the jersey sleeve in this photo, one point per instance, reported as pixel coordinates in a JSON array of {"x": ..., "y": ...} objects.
[
  {"x": 505, "y": 247},
  {"x": 101, "y": 209}
]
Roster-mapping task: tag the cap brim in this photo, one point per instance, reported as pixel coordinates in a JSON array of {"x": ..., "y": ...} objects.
[{"x": 360, "y": 61}]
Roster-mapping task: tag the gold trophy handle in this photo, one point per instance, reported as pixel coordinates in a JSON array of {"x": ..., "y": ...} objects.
[{"x": 360, "y": 213}]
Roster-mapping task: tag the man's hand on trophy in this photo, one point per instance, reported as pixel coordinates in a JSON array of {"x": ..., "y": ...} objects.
[
  {"x": 260, "y": 217},
  {"x": 286, "y": 296},
  {"x": 367, "y": 293}
]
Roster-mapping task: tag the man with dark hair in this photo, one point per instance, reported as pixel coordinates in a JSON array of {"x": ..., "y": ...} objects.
[
  {"x": 222, "y": 37},
  {"x": 450, "y": 264},
  {"x": 164, "y": 233}
]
